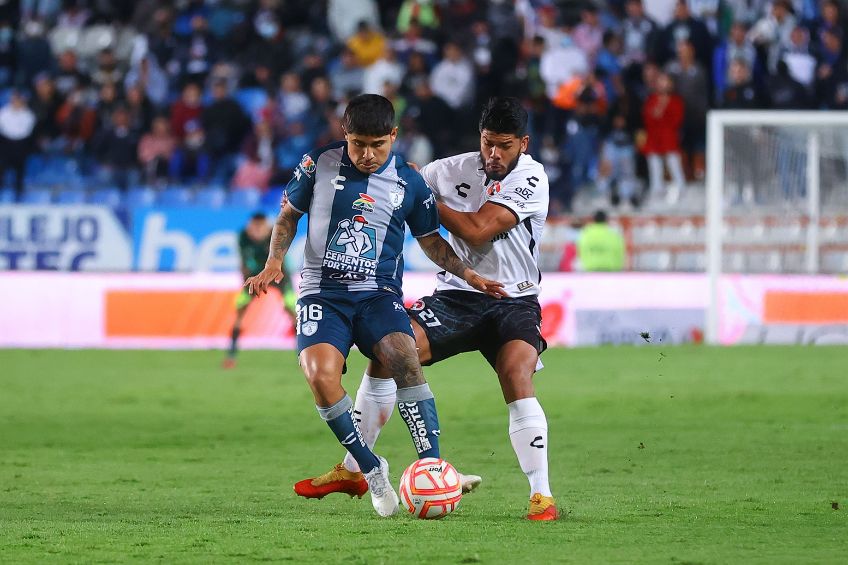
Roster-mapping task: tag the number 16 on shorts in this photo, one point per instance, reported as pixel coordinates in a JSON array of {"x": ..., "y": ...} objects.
[{"x": 308, "y": 316}]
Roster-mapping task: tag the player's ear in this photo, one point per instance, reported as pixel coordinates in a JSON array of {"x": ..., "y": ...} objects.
[
  {"x": 393, "y": 134},
  {"x": 525, "y": 143}
]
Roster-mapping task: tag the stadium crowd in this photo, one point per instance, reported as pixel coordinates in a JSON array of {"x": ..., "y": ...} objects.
[{"x": 232, "y": 93}]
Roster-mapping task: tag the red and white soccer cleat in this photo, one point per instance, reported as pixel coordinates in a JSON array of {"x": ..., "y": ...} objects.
[
  {"x": 338, "y": 480},
  {"x": 542, "y": 508}
]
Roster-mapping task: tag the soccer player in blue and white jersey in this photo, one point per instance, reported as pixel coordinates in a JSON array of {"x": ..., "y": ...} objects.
[{"x": 359, "y": 196}]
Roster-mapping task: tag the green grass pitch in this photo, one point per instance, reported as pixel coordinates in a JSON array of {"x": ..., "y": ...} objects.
[{"x": 658, "y": 455}]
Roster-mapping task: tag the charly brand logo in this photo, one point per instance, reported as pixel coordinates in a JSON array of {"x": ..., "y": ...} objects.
[
  {"x": 364, "y": 203},
  {"x": 397, "y": 193}
]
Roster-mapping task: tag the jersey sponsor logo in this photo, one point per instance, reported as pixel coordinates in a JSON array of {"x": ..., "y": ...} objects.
[
  {"x": 525, "y": 285},
  {"x": 307, "y": 165},
  {"x": 417, "y": 428},
  {"x": 417, "y": 305},
  {"x": 364, "y": 203},
  {"x": 397, "y": 193},
  {"x": 348, "y": 277},
  {"x": 353, "y": 248},
  {"x": 494, "y": 188}
]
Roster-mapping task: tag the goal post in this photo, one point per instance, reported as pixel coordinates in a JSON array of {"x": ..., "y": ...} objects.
[{"x": 763, "y": 163}]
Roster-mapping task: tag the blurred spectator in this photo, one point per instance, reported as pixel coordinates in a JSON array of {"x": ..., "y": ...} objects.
[
  {"x": 386, "y": 69},
  {"x": 313, "y": 67},
  {"x": 45, "y": 104},
  {"x": 434, "y": 118},
  {"x": 107, "y": 101},
  {"x": 785, "y": 92},
  {"x": 191, "y": 161},
  {"x": 33, "y": 55},
  {"x": 772, "y": 33},
  {"x": 691, "y": 83},
  {"x": 600, "y": 247},
  {"x": 412, "y": 144},
  {"x": 640, "y": 34},
  {"x": 799, "y": 59},
  {"x": 707, "y": 11},
  {"x": 186, "y": 109},
  {"x": 139, "y": 108},
  {"x": 737, "y": 47},
  {"x": 742, "y": 93},
  {"x": 588, "y": 36},
  {"x": 416, "y": 71},
  {"x": 257, "y": 163},
  {"x": 422, "y": 12},
  {"x": 17, "y": 124},
  {"x": 348, "y": 76},
  {"x": 148, "y": 76},
  {"x": 367, "y": 44},
  {"x": 344, "y": 16},
  {"x": 292, "y": 100},
  {"x": 413, "y": 41},
  {"x": 663, "y": 117},
  {"x": 560, "y": 63},
  {"x": 155, "y": 150},
  {"x": 7, "y": 53},
  {"x": 116, "y": 151},
  {"x": 686, "y": 28},
  {"x": 76, "y": 120},
  {"x": 68, "y": 77},
  {"x": 830, "y": 21},
  {"x": 225, "y": 125},
  {"x": 107, "y": 70},
  {"x": 453, "y": 78},
  {"x": 196, "y": 53},
  {"x": 617, "y": 169}
]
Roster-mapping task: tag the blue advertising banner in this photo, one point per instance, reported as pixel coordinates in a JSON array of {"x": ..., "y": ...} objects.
[{"x": 62, "y": 238}]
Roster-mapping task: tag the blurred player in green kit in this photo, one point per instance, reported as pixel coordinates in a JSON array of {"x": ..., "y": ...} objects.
[{"x": 254, "y": 241}]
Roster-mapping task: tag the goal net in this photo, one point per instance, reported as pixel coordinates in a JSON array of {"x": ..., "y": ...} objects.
[{"x": 777, "y": 195}]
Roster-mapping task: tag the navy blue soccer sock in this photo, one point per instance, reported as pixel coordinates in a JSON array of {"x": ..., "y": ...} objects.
[
  {"x": 339, "y": 417},
  {"x": 417, "y": 407}
]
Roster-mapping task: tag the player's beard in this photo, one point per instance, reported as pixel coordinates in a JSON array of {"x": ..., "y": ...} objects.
[{"x": 500, "y": 174}]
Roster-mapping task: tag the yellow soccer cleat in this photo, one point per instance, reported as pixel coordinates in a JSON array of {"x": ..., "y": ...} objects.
[
  {"x": 542, "y": 508},
  {"x": 338, "y": 479}
]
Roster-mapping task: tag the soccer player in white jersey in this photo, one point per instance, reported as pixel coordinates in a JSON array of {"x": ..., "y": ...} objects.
[{"x": 494, "y": 203}]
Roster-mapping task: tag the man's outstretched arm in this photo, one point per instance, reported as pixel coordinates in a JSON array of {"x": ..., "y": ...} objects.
[{"x": 281, "y": 238}]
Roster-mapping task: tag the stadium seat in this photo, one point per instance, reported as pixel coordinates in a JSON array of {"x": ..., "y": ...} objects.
[
  {"x": 70, "y": 196},
  {"x": 140, "y": 197},
  {"x": 106, "y": 197},
  {"x": 37, "y": 196},
  {"x": 175, "y": 197},
  {"x": 245, "y": 198},
  {"x": 210, "y": 197},
  {"x": 7, "y": 196}
]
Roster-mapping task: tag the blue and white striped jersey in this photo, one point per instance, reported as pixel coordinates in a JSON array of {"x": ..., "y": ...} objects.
[{"x": 356, "y": 220}]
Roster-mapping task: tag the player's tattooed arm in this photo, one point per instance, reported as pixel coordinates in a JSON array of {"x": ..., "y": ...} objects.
[
  {"x": 439, "y": 251},
  {"x": 281, "y": 238}
]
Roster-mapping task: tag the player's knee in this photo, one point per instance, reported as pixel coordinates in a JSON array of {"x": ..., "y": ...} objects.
[{"x": 320, "y": 375}]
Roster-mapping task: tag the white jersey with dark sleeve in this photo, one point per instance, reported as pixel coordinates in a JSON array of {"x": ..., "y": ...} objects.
[{"x": 511, "y": 257}]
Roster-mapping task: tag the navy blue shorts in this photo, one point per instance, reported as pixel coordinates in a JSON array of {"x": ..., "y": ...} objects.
[{"x": 343, "y": 319}]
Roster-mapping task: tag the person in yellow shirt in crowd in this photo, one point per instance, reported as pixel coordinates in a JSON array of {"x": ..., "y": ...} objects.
[
  {"x": 367, "y": 44},
  {"x": 600, "y": 247}
]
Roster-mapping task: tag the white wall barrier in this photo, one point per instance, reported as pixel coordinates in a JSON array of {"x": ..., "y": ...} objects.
[{"x": 43, "y": 309}]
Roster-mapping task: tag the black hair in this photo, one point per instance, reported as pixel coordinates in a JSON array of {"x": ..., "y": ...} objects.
[
  {"x": 600, "y": 217},
  {"x": 369, "y": 114},
  {"x": 258, "y": 216},
  {"x": 504, "y": 114}
]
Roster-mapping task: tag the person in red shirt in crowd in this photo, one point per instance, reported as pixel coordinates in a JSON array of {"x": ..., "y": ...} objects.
[
  {"x": 188, "y": 108},
  {"x": 662, "y": 115}
]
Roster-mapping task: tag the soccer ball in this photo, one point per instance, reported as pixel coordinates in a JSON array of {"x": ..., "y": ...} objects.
[{"x": 430, "y": 488}]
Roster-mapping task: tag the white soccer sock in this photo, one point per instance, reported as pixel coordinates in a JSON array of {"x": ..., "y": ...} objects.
[
  {"x": 375, "y": 402},
  {"x": 528, "y": 432}
]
